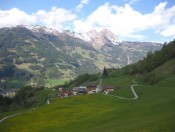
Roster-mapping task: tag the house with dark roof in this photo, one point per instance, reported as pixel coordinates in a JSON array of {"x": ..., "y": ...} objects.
[
  {"x": 91, "y": 87},
  {"x": 109, "y": 88},
  {"x": 82, "y": 90}
]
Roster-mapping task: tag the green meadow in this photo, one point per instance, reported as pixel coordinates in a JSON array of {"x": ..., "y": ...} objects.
[
  {"x": 152, "y": 111},
  {"x": 56, "y": 82}
]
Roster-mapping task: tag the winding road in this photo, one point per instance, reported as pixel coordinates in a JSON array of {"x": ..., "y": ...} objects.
[
  {"x": 3, "y": 119},
  {"x": 132, "y": 89}
]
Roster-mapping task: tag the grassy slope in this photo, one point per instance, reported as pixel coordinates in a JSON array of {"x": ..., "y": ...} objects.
[
  {"x": 152, "y": 111},
  {"x": 56, "y": 82},
  {"x": 121, "y": 81},
  {"x": 62, "y": 113},
  {"x": 165, "y": 70},
  {"x": 43, "y": 95}
]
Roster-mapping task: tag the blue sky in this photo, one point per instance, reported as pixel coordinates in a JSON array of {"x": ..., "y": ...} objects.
[{"x": 135, "y": 20}]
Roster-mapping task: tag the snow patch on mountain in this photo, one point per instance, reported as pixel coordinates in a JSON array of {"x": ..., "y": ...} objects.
[
  {"x": 38, "y": 29},
  {"x": 95, "y": 38},
  {"x": 99, "y": 38},
  {"x": 102, "y": 34}
]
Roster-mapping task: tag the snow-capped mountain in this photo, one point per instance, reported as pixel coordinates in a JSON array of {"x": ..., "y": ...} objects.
[
  {"x": 39, "y": 29},
  {"x": 95, "y": 38},
  {"x": 99, "y": 38}
]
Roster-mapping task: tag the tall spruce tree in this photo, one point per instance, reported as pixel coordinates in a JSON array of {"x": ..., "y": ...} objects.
[{"x": 105, "y": 72}]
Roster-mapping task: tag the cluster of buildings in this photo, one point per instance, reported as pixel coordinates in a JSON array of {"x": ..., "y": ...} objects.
[
  {"x": 89, "y": 89},
  {"x": 8, "y": 92}
]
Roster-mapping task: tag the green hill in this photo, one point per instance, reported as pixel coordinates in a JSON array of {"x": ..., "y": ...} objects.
[
  {"x": 152, "y": 111},
  {"x": 155, "y": 67}
]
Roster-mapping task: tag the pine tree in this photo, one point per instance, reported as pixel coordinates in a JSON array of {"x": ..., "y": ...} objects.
[{"x": 105, "y": 72}]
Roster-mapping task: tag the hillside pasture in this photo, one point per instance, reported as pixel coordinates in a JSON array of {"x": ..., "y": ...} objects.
[{"x": 152, "y": 111}]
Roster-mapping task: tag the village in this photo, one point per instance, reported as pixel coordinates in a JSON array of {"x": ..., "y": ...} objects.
[
  {"x": 89, "y": 89},
  {"x": 8, "y": 92},
  {"x": 62, "y": 92}
]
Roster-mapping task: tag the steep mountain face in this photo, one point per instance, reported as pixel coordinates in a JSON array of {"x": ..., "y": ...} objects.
[
  {"x": 121, "y": 52},
  {"x": 129, "y": 52},
  {"x": 35, "y": 54},
  {"x": 99, "y": 39}
]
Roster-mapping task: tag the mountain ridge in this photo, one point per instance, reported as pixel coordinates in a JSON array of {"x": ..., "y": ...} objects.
[
  {"x": 88, "y": 36},
  {"x": 43, "y": 55}
]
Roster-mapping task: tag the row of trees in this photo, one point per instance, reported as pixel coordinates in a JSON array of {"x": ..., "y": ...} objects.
[{"x": 25, "y": 97}]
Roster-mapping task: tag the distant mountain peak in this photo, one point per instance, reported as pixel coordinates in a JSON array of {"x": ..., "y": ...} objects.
[
  {"x": 99, "y": 38},
  {"x": 111, "y": 36},
  {"x": 39, "y": 29}
]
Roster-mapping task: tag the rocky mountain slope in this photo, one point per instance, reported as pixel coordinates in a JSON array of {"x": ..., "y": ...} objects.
[
  {"x": 99, "y": 38},
  {"x": 39, "y": 53}
]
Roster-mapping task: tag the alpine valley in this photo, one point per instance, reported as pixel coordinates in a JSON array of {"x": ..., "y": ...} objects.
[{"x": 38, "y": 54}]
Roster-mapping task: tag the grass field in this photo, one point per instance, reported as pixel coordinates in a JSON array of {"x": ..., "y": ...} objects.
[
  {"x": 56, "y": 82},
  {"x": 152, "y": 111},
  {"x": 122, "y": 82},
  {"x": 43, "y": 95},
  {"x": 165, "y": 70}
]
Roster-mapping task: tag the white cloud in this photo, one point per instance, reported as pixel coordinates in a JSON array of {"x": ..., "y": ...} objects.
[
  {"x": 134, "y": 36},
  {"x": 133, "y": 2},
  {"x": 169, "y": 31},
  {"x": 122, "y": 20},
  {"x": 55, "y": 18},
  {"x": 81, "y": 5},
  {"x": 125, "y": 21},
  {"x": 15, "y": 17}
]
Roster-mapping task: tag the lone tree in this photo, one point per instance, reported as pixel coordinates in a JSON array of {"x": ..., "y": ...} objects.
[{"x": 105, "y": 72}]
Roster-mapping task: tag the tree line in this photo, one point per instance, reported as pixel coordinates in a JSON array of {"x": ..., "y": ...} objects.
[{"x": 152, "y": 60}]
